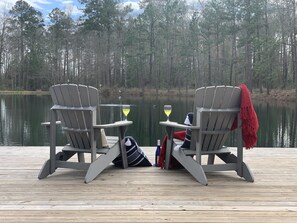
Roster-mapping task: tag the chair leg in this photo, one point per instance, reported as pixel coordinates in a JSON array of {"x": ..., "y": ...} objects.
[
  {"x": 247, "y": 174},
  {"x": 190, "y": 165},
  {"x": 81, "y": 157},
  {"x": 101, "y": 163},
  {"x": 210, "y": 159},
  {"x": 244, "y": 172},
  {"x": 46, "y": 168}
]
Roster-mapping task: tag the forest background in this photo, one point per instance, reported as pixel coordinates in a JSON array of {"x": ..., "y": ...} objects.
[{"x": 170, "y": 45}]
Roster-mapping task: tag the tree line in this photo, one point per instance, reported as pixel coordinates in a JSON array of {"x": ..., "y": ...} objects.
[{"x": 170, "y": 44}]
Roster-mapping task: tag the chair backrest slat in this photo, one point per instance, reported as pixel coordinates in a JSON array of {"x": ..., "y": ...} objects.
[
  {"x": 93, "y": 96},
  {"x": 86, "y": 116},
  {"x": 215, "y": 119},
  {"x": 223, "y": 119},
  {"x": 69, "y": 116},
  {"x": 235, "y": 101},
  {"x": 79, "y": 116},
  {"x": 58, "y": 99}
]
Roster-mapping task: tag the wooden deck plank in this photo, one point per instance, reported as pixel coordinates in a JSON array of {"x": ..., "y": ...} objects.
[
  {"x": 153, "y": 216},
  {"x": 147, "y": 194}
]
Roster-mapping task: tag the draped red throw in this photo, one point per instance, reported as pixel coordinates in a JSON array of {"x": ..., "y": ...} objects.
[
  {"x": 248, "y": 118},
  {"x": 173, "y": 162}
]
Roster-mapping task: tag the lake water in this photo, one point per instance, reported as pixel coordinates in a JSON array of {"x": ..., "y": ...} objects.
[{"x": 20, "y": 118}]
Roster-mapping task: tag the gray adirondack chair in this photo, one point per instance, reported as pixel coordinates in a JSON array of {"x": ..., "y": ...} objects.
[
  {"x": 75, "y": 108},
  {"x": 215, "y": 109}
]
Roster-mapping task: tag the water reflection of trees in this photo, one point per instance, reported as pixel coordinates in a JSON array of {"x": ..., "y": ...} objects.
[
  {"x": 277, "y": 122},
  {"x": 20, "y": 118}
]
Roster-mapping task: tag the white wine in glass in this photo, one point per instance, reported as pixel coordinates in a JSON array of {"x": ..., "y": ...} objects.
[
  {"x": 167, "y": 110},
  {"x": 126, "y": 110}
]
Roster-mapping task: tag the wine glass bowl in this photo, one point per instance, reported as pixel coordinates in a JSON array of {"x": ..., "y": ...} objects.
[
  {"x": 126, "y": 110},
  {"x": 167, "y": 111}
]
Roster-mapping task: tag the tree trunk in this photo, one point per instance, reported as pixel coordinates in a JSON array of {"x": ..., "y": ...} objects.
[
  {"x": 108, "y": 79},
  {"x": 248, "y": 47},
  {"x": 2, "y": 46},
  {"x": 294, "y": 43},
  {"x": 209, "y": 65},
  {"x": 268, "y": 55}
]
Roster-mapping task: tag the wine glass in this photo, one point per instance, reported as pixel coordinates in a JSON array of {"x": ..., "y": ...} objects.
[
  {"x": 167, "y": 111},
  {"x": 126, "y": 110}
]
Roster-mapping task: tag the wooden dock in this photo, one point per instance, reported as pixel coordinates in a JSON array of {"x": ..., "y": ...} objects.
[{"x": 147, "y": 194}]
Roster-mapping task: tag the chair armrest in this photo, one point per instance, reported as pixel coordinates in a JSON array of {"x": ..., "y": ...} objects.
[
  {"x": 177, "y": 125},
  {"x": 47, "y": 124},
  {"x": 112, "y": 125}
]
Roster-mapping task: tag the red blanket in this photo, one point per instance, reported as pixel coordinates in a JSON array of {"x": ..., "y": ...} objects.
[
  {"x": 248, "y": 118},
  {"x": 173, "y": 162}
]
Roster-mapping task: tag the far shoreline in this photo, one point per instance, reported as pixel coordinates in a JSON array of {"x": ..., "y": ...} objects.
[{"x": 274, "y": 95}]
